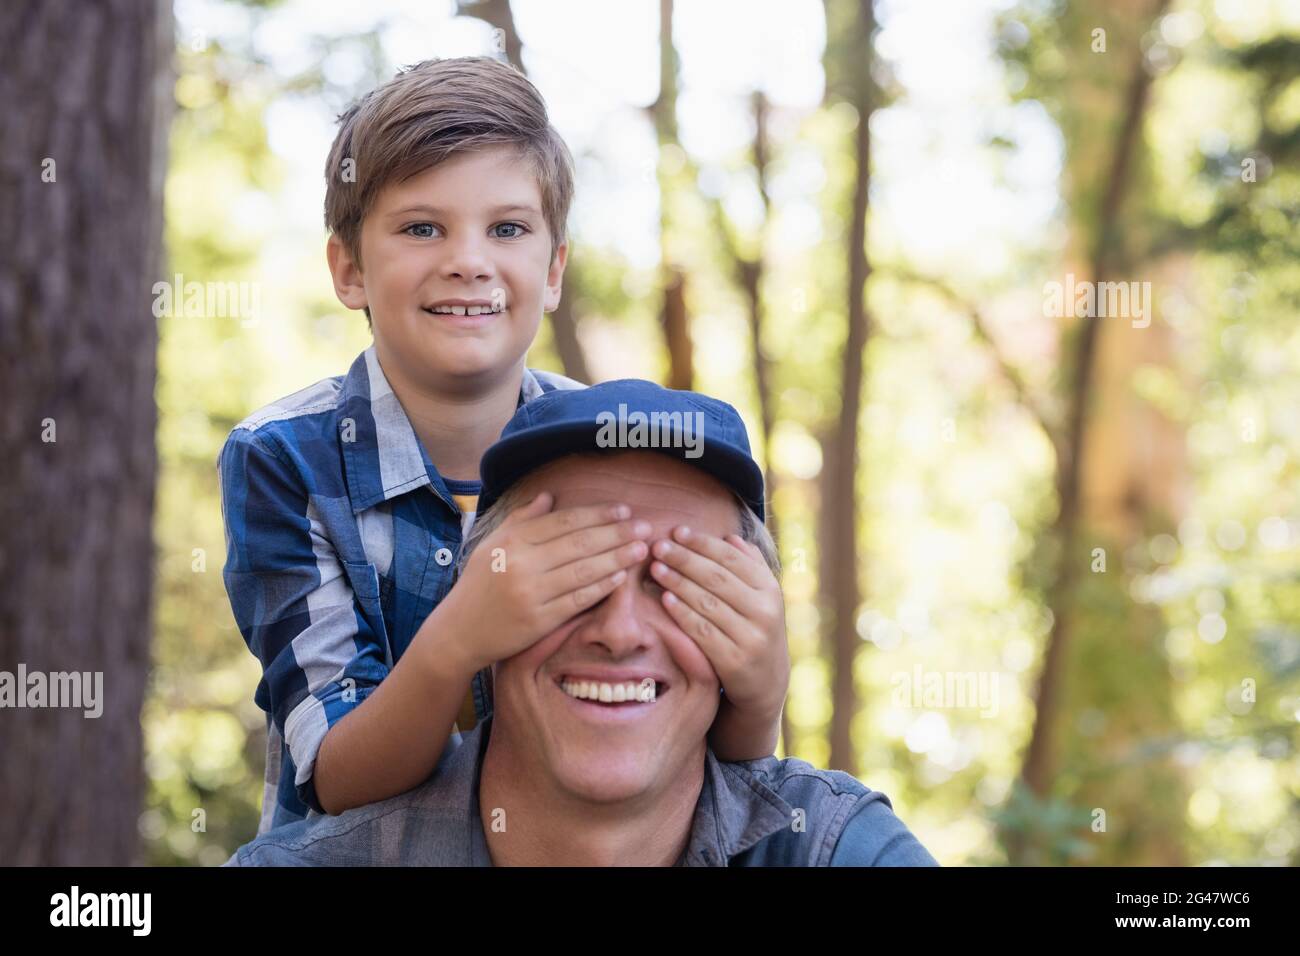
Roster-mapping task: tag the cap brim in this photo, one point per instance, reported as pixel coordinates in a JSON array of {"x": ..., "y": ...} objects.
[{"x": 523, "y": 452}]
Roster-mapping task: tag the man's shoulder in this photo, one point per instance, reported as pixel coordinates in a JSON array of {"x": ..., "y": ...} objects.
[
  {"x": 412, "y": 828},
  {"x": 792, "y": 775},
  {"x": 554, "y": 381},
  {"x": 835, "y": 819},
  {"x": 428, "y": 825},
  {"x": 343, "y": 840}
]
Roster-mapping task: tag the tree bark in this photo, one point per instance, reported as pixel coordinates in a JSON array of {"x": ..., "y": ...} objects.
[
  {"x": 1038, "y": 767},
  {"x": 564, "y": 326},
  {"x": 1105, "y": 491},
  {"x": 88, "y": 94},
  {"x": 673, "y": 317},
  {"x": 851, "y": 59},
  {"x": 748, "y": 270}
]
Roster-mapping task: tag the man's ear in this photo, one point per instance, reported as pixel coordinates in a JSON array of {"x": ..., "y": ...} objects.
[
  {"x": 347, "y": 274},
  {"x": 555, "y": 278}
]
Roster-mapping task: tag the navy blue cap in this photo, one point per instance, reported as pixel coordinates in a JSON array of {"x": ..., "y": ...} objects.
[{"x": 626, "y": 414}]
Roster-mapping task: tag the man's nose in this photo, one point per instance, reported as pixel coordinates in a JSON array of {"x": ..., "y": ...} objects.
[{"x": 618, "y": 622}]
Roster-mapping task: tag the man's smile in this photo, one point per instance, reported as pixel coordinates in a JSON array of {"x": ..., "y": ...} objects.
[
  {"x": 613, "y": 690},
  {"x": 611, "y": 701}
]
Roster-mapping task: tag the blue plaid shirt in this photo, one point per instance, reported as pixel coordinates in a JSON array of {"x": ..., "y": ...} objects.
[{"x": 341, "y": 538}]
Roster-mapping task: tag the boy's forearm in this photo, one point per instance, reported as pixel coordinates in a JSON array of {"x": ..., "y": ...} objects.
[
  {"x": 392, "y": 741},
  {"x": 739, "y": 736}
]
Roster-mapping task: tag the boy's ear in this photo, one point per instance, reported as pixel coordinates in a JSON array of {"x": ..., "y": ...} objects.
[
  {"x": 347, "y": 277},
  {"x": 555, "y": 277}
]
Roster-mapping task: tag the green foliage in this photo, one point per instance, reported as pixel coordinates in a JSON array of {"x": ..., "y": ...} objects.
[{"x": 1059, "y": 833}]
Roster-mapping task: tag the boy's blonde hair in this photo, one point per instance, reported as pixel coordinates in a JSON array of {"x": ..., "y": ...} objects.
[{"x": 429, "y": 112}]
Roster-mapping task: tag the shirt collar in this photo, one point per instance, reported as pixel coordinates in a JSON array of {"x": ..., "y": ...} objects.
[
  {"x": 383, "y": 455},
  {"x": 735, "y": 810}
]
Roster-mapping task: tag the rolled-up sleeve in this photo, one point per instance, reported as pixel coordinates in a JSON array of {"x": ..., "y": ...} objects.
[
  {"x": 874, "y": 836},
  {"x": 292, "y": 601}
]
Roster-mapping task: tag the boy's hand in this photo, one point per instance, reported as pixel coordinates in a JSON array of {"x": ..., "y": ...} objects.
[
  {"x": 549, "y": 567},
  {"x": 723, "y": 594}
]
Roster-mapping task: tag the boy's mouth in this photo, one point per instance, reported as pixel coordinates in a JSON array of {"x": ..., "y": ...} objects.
[{"x": 466, "y": 310}]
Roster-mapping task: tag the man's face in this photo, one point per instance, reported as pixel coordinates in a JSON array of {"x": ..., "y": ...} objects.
[
  {"x": 612, "y": 752},
  {"x": 470, "y": 228}
]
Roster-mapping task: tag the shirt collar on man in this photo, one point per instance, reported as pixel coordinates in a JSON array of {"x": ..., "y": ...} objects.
[
  {"x": 734, "y": 812},
  {"x": 382, "y": 454}
]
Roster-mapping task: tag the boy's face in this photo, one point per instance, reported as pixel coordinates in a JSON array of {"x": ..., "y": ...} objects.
[{"x": 470, "y": 228}]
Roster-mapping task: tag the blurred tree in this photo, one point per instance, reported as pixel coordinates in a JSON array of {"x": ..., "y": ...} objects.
[
  {"x": 848, "y": 61},
  {"x": 673, "y": 316},
  {"x": 1241, "y": 221},
  {"x": 745, "y": 260},
  {"x": 81, "y": 215},
  {"x": 205, "y": 736},
  {"x": 1120, "y": 468},
  {"x": 1232, "y": 212}
]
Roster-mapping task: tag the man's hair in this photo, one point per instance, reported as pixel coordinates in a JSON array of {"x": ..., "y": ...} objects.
[
  {"x": 751, "y": 528},
  {"x": 428, "y": 113}
]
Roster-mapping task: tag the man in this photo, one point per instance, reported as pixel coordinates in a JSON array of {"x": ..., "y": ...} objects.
[{"x": 596, "y": 750}]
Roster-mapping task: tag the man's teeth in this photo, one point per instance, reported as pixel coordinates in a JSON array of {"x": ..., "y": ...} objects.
[
  {"x": 465, "y": 310},
  {"x": 643, "y": 692}
]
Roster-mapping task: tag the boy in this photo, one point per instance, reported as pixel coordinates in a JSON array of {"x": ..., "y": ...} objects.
[{"x": 345, "y": 503}]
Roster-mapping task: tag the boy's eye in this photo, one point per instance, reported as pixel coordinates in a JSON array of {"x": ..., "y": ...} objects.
[{"x": 424, "y": 230}]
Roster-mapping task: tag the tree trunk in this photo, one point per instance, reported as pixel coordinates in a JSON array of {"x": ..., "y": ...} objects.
[
  {"x": 1105, "y": 496},
  {"x": 849, "y": 60},
  {"x": 748, "y": 270},
  {"x": 87, "y": 89},
  {"x": 564, "y": 326},
  {"x": 673, "y": 317}
]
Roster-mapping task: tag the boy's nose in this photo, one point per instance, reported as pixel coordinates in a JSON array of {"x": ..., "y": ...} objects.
[{"x": 466, "y": 259}]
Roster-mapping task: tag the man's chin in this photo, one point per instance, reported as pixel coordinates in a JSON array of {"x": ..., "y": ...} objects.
[
  {"x": 603, "y": 781},
  {"x": 598, "y": 770}
]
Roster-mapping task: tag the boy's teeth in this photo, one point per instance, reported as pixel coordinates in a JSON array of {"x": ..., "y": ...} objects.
[
  {"x": 643, "y": 692},
  {"x": 464, "y": 310}
]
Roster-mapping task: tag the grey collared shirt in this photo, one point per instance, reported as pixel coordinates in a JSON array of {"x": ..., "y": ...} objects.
[{"x": 766, "y": 812}]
